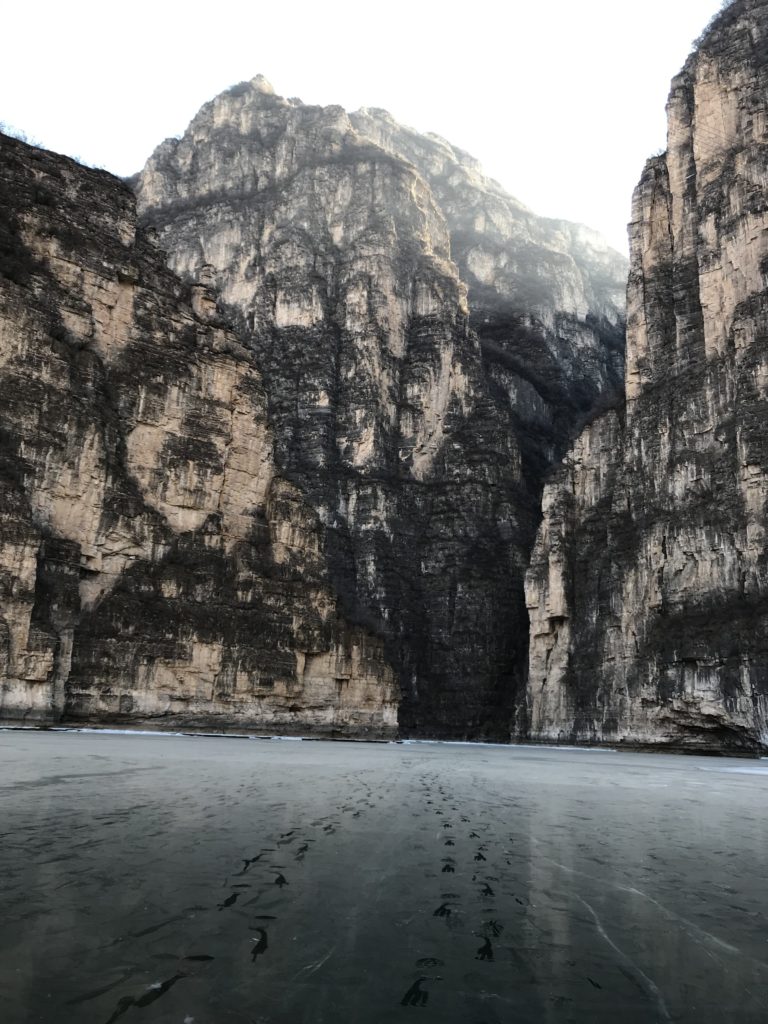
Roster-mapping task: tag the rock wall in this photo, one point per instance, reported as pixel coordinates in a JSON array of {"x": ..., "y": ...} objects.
[
  {"x": 155, "y": 566},
  {"x": 428, "y": 347},
  {"x": 648, "y": 586}
]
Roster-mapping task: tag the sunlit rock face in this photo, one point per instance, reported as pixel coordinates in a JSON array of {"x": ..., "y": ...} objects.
[
  {"x": 428, "y": 346},
  {"x": 155, "y": 566},
  {"x": 648, "y": 588}
]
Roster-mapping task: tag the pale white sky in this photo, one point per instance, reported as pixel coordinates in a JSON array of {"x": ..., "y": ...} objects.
[{"x": 561, "y": 100}]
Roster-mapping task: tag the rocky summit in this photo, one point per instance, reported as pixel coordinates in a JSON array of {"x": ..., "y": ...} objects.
[{"x": 286, "y": 419}]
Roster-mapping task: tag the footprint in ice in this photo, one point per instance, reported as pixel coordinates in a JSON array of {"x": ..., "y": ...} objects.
[
  {"x": 202, "y": 957},
  {"x": 487, "y": 890},
  {"x": 449, "y": 869},
  {"x": 281, "y": 880},
  {"x": 485, "y": 952},
  {"x": 416, "y": 996},
  {"x": 442, "y": 911},
  {"x": 154, "y": 991},
  {"x": 229, "y": 900},
  {"x": 251, "y": 860},
  {"x": 449, "y": 842},
  {"x": 495, "y": 928},
  {"x": 261, "y": 944},
  {"x": 479, "y": 856}
]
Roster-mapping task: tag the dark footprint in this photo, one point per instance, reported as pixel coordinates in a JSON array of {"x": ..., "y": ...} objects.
[
  {"x": 485, "y": 952},
  {"x": 200, "y": 958},
  {"x": 229, "y": 900},
  {"x": 301, "y": 851},
  {"x": 479, "y": 856},
  {"x": 447, "y": 824},
  {"x": 594, "y": 984},
  {"x": 154, "y": 992},
  {"x": 495, "y": 928},
  {"x": 281, "y": 880},
  {"x": 487, "y": 890},
  {"x": 449, "y": 842},
  {"x": 473, "y": 835},
  {"x": 261, "y": 944},
  {"x": 415, "y": 996},
  {"x": 442, "y": 911},
  {"x": 157, "y": 991},
  {"x": 449, "y": 869},
  {"x": 247, "y": 863}
]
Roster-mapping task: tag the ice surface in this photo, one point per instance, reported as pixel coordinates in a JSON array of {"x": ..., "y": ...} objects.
[{"x": 319, "y": 883}]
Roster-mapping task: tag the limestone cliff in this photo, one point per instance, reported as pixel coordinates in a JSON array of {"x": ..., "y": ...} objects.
[
  {"x": 648, "y": 588},
  {"x": 154, "y": 563},
  {"x": 428, "y": 346}
]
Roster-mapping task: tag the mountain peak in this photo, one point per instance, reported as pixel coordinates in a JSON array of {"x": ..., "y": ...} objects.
[{"x": 261, "y": 84}]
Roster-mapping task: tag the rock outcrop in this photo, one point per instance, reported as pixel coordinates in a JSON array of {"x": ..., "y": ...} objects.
[
  {"x": 428, "y": 347},
  {"x": 648, "y": 588},
  {"x": 155, "y": 565}
]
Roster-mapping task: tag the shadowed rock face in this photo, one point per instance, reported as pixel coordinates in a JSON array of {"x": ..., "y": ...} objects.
[
  {"x": 154, "y": 563},
  {"x": 649, "y": 581},
  {"x": 428, "y": 346}
]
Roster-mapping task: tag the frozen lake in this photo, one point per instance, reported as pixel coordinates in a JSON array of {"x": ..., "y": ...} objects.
[{"x": 200, "y": 880}]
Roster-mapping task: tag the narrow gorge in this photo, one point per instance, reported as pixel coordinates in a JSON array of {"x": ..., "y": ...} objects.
[{"x": 311, "y": 428}]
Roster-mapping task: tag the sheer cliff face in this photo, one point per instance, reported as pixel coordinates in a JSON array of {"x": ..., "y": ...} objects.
[
  {"x": 427, "y": 347},
  {"x": 154, "y": 564},
  {"x": 648, "y": 588}
]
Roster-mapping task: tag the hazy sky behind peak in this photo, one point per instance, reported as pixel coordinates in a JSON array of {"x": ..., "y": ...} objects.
[{"x": 561, "y": 101}]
